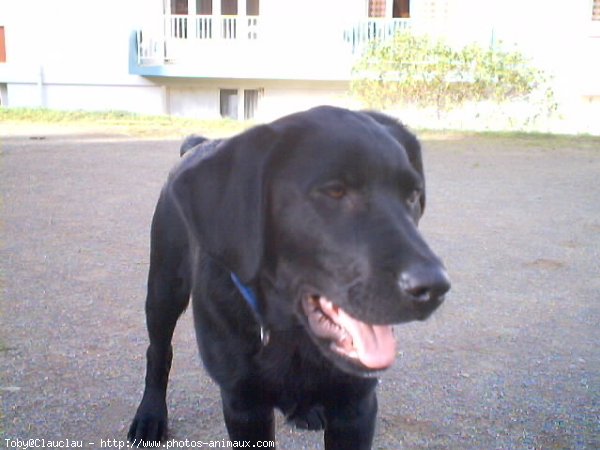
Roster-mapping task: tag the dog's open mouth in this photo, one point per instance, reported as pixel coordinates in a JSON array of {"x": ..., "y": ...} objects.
[{"x": 374, "y": 346}]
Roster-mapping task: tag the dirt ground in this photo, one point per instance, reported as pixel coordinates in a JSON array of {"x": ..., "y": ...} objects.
[{"x": 511, "y": 361}]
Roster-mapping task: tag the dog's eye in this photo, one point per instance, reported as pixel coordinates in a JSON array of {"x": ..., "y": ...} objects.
[
  {"x": 335, "y": 190},
  {"x": 414, "y": 197}
]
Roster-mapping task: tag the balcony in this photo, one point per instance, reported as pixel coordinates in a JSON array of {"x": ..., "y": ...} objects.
[{"x": 254, "y": 47}]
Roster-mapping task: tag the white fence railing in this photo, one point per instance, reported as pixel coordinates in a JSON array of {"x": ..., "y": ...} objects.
[
  {"x": 150, "y": 48},
  {"x": 374, "y": 29},
  {"x": 211, "y": 27},
  {"x": 166, "y": 41},
  {"x": 203, "y": 27}
]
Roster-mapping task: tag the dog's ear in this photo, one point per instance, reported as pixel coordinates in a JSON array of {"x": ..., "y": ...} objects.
[
  {"x": 190, "y": 142},
  {"x": 408, "y": 140},
  {"x": 221, "y": 197}
]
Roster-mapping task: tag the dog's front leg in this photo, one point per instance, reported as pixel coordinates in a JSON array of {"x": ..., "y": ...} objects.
[
  {"x": 150, "y": 421},
  {"x": 351, "y": 424},
  {"x": 247, "y": 418},
  {"x": 168, "y": 296}
]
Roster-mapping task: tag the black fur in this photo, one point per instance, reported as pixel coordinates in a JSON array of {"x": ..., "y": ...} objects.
[{"x": 320, "y": 205}]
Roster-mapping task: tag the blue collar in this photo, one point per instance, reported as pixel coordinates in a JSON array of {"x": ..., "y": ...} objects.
[
  {"x": 247, "y": 292},
  {"x": 252, "y": 301}
]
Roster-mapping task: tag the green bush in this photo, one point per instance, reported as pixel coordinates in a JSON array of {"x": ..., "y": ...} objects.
[{"x": 422, "y": 71}]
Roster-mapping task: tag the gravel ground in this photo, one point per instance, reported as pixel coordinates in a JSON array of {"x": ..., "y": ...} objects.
[{"x": 511, "y": 361}]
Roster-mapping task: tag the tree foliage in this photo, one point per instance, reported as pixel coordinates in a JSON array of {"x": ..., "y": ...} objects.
[{"x": 419, "y": 70}]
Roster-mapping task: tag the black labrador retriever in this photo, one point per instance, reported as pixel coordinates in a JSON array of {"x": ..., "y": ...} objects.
[{"x": 298, "y": 243}]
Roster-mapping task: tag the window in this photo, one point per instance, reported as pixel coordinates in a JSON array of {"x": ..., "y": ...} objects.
[
  {"x": 401, "y": 9},
  {"x": 252, "y": 7},
  {"x": 204, "y": 7},
  {"x": 229, "y": 7},
  {"x": 596, "y": 10},
  {"x": 179, "y": 7},
  {"x": 2, "y": 45},
  {"x": 376, "y": 8},
  {"x": 229, "y": 103},
  {"x": 389, "y": 8},
  {"x": 250, "y": 103},
  {"x": 3, "y": 95}
]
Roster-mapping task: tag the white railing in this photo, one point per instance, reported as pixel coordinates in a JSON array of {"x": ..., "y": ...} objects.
[
  {"x": 176, "y": 26},
  {"x": 150, "y": 48},
  {"x": 203, "y": 27},
  {"x": 211, "y": 27},
  {"x": 252, "y": 28},
  {"x": 374, "y": 29},
  {"x": 229, "y": 26},
  {"x": 172, "y": 38}
]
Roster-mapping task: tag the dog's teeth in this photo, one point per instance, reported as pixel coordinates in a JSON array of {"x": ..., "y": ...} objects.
[
  {"x": 353, "y": 354},
  {"x": 327, "y": 303}
]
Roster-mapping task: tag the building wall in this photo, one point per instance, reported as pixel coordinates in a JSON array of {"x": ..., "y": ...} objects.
[
  {"x": 22, "y": 95},
  {"x": 79, "y": 59},
  {"x": 74, "y": 54},
  {"x": 201, "y": 98},
  {"x": 285, "y": 97},
  {"x": 193, "y": 101}
]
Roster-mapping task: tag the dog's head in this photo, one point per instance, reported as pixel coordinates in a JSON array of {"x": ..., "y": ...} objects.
[{"x": 320, "y": 211}]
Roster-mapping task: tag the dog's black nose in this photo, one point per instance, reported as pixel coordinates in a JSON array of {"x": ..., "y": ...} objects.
[{"x": 425, "y": 284}]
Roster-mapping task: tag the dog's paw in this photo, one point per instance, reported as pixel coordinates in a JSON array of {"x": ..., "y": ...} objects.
[
  {"x": 147, "y": 432},
  {"x": 313, "y": 419},
  {"x": 149, "y": 426}
]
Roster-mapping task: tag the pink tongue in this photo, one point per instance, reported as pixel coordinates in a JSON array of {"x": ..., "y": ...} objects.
[{"x": 373, "y": 345}]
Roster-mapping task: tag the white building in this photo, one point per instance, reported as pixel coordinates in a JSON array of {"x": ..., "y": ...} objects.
[{"x": 259, "y": 58}]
